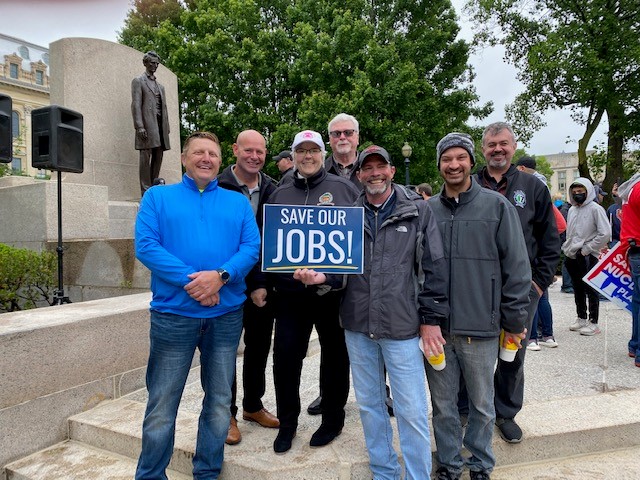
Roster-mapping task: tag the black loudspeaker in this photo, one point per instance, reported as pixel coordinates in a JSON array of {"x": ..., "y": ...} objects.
[
  {"x": 6, "y": 140},
  {"x": 56, "y": 139}
]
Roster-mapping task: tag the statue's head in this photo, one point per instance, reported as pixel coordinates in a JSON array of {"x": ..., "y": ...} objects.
[{"x": 151, "y": 59}]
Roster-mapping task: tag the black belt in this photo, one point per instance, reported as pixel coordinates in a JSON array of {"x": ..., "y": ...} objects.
[{"x": 634, "y": 250}]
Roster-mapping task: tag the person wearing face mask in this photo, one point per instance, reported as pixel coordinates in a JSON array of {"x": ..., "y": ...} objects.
[{"x": 588, "y": 232}]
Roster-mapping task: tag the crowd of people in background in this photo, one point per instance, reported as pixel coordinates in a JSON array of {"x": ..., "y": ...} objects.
[{"x": 496, "y": 228}]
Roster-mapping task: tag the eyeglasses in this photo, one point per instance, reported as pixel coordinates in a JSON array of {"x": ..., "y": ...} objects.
[
  {"x": 338, "y": 133},
  {"x": 303, "y": 151}
]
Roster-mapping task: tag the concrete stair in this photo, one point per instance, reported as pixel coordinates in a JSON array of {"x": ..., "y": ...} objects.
[{"x": 105, "y": 442}]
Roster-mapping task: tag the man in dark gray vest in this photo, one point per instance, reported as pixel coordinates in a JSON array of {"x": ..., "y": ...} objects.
[{"x": 150, "y": 119}]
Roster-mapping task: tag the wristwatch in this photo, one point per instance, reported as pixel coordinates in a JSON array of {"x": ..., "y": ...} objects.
[{"x": 224, "y": 275}]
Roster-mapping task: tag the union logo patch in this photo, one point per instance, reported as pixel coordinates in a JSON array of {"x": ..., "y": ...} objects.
[
  {"x": 326, "y": 199},
  {"x": 519, "y": 198}
]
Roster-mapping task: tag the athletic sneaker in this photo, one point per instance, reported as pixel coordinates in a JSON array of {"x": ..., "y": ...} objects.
[
  {"x": 549, "y": 342},
  {"x": 533, "y": 345},
  {"x": 578, "y": 324},
  {"x": 589, "y": 329}
]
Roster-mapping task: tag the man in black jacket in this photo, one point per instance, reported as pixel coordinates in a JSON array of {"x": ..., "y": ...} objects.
[
  {"x": 386, "y": 310},
  {"x": 246, "y": 177},
  {"x": 298, "y": 309},
  {"x": 533, "y": 204},
  {"x": 343, "y": 139}
]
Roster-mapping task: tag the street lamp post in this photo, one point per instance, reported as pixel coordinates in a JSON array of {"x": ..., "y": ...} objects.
[{"x": 406, "y": 153}]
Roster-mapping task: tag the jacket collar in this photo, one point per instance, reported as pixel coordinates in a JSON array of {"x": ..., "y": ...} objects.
[
  {"x": 190, "y": 183},
  {"x": 309, "y": 182}
]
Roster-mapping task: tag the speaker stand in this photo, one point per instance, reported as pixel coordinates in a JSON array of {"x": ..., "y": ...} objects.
[{"x": 59, "y": 296}]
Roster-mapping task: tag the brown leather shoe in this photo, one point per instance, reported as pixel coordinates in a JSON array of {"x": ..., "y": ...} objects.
[
  {"x": 263, "y": 417},
  {"x": 233, "y": 435}
]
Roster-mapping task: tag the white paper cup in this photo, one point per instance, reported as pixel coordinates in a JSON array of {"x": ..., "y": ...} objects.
[{"x": 507, "y": 354}]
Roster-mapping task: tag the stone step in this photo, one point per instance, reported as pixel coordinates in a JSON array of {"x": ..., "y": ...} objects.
[
  {"x": 122, "y": 217},
  {"x": 553, "y": 430},
  {"x": 76, "y": 461},
  {"x": 621, "y": 464}
]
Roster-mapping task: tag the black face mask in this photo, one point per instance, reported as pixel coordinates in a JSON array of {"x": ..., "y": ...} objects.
[{"x": 579, "y": 198}]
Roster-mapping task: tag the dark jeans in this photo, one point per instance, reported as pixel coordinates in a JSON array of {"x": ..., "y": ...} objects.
[
  {"x": 509, "y": 376},
  {"x": 578, "y": 268},
  {"x": 296, "y": 314},
  {"x": 544, "y": 317},
  {"x": 258, "y": 329}
]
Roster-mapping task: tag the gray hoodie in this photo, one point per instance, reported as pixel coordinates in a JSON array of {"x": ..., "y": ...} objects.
[{"x": 588, "y": 229}]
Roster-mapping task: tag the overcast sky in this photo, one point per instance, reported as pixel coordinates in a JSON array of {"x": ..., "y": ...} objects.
[{"x": 44, "y": 21}]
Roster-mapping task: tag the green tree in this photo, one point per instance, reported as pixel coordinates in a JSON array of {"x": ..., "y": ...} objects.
[
  {"x": 280, "y": 66},
  {"x": 584, "y": 56}
]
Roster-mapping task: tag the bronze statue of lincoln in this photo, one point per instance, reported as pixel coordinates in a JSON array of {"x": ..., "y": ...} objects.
[{"x": 150, "y": 120}]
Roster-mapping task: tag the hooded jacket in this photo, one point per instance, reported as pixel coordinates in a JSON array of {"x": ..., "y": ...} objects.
[
  {"x": 588, "y": 229},
  {"x": 533, "y": 205},
  {"x": 404, "y": 282},
  {"x": 490, "y": 278}
]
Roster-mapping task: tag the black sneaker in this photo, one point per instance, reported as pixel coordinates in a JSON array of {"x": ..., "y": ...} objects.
[
  {"x": 443, "y": 474},
  {"x": 480, "y": 475},
  {"x": 314, "y": 407},
  {"x": 509, "y": 430}
]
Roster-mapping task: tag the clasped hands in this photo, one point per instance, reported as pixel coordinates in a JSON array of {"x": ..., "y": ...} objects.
[{"x": 204, "y": 287}]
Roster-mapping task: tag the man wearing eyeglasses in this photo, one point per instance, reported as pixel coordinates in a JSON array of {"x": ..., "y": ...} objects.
[
  {"x": 298, "y": 308},
  {"x": 343, "y": 139}
]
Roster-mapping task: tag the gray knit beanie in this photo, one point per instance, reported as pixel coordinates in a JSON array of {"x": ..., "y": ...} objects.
[{"x": 456, "y": 139}]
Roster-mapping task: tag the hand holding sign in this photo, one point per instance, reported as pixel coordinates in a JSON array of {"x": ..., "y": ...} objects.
[{"x": 309, "y": 276}]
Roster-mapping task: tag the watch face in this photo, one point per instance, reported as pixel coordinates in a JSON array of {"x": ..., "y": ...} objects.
[{"x": 224, "y": 275}]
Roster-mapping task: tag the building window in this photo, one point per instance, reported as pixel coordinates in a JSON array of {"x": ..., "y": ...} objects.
[
  {"x": 23, "y": 52},
  {"x": 15, "y": 124},
  {"x": 16, "y": 165},
  {"x": 562, "y": 182},
  {"x": 576, "y": 174},
  {"x": 13, "y": 70},
  {"x": 39, "y": 77}
]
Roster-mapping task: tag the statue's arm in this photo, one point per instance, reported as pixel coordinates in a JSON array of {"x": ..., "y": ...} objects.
[{"x": 136, "y": 103}]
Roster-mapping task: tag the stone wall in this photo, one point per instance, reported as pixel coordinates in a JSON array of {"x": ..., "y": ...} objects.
[{"x": 59, "y": 361}]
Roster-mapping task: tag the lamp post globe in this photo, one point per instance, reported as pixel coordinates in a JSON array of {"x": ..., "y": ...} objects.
[{"x": 406, "y": 153}]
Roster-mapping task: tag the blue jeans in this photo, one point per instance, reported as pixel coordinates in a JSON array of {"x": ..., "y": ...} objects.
[
  {"x": 634, "y": 266},
  {"x": 174, "y": 339},
  {"x": 405, "y": 366},
  {"x": 544, "y": 316},
  {"x": 473, "y": 359}
]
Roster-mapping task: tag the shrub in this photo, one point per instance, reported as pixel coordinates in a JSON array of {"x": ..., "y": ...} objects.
[{"x": 27, "y": 278}]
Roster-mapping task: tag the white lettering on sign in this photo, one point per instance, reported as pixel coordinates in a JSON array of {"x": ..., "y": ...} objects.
[{"x": 318, "y": 245}]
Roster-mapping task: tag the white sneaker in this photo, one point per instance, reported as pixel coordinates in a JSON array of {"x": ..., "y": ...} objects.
[
  {"x": 589, "y": 329},
  {"x": 578, "y": 324},
  {"x": 548, "y": 342},
  {"x": 533, "y": 345}
]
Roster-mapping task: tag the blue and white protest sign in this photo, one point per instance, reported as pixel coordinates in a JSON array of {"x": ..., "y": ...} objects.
[
  {"x": 326, "y": 239},
  {"x": 611, "y": 277}
]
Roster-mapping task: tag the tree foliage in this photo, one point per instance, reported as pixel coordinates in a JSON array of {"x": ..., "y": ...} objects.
[
  {"x": 584, "y": 56},
  {"x": 279, "y": 66},
  {"x": 27, "y": 278}
]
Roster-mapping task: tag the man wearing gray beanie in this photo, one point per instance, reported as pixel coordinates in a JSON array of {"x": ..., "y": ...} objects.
[{"x": 483, "y": 247}]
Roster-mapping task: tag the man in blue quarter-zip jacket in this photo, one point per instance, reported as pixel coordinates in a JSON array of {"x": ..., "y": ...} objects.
[{"x": 199, "y": 241}]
